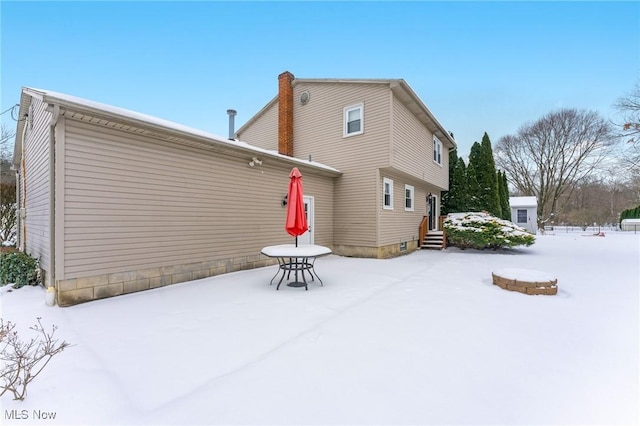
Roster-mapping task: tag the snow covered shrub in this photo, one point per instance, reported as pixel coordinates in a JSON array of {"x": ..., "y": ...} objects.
[
  {"x": 18, "y": 268},
  {"x": 23, "y": 361},
  {"x": 483, "y": 231}
]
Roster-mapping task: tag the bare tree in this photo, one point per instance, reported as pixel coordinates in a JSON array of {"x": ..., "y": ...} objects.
[
  {"x": 23, "y": 361},
  {"x": 8, "y": 218},
  {"x": 6, "y": 140},
  {"x": 629, "y": 107},
  {"x": 629, "y": 129},
  {"x": 544, "y": 158}
]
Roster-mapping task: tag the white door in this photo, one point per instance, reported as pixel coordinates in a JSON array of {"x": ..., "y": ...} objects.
[{"x": 307, "y": 237}]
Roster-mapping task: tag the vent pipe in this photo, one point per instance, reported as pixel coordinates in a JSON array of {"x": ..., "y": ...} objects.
[{"x": 232, "y": 113}]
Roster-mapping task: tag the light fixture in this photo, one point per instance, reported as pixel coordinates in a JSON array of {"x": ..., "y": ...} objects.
[
  {"x": 255, "y": 161},
  {"x": 285, "y": 200}
]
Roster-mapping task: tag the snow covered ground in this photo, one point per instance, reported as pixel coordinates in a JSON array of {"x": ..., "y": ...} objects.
[{"x": 421, "y": 339}]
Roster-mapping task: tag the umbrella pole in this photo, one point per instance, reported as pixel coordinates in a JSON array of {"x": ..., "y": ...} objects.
[{"x": 296, "y": 260}]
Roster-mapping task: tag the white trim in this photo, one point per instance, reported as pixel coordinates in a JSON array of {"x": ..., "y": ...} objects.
[
  {"x": 436, "y": 213},
  {"x": 345, "y": 114},
  {"x": 437, "y": 151},
  {"x": 526, "y": 215},
  {"x": 309, "y": 236},
  {"x": 411, "y": 197},
  {"x": 386, "y": 181}
]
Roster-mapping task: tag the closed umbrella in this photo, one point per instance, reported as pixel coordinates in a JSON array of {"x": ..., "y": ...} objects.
[{"x": 296, "y": 222}]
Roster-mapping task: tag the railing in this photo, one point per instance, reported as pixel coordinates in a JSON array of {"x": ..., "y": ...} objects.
[{"x": 423, "y": 229}]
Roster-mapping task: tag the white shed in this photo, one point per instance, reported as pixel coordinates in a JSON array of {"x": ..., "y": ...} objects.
[
  {"x": 630, "y": 225},
  {"x": 524, "y": 211}
]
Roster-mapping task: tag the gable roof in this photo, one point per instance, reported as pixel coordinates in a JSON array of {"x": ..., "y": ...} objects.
[
  {"x": 148, "y": 124},
  {"x": 399, "y": 87},
  {"x": 523, "y": 201}
]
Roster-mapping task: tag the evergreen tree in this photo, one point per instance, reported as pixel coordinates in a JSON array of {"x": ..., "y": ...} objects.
[
  {"x": 506, "y": 207},
  {"x": 500, "y": 193},
  {"x": 472, "y": 200},
  {"x": 485, "y": 172},
  {"x": 458, "y": 193},
  {"x": 446, "y": 195}
]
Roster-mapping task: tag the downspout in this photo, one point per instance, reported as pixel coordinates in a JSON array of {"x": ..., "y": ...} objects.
[
  {"x": 23, "y": 201},
  {"x": 52, "y": 194}
]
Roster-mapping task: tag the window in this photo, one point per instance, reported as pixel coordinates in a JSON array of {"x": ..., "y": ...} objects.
[
  {"x": 408, "y": 198},
  {"x": 387, "y": 193},
  {"x": 522, "y": 216},
  {"x": 353, "y": 122},
  {"x": 437, "y": 150}
]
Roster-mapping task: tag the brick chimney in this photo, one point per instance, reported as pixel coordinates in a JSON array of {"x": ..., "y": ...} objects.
[{"x": 285, "y": 113}]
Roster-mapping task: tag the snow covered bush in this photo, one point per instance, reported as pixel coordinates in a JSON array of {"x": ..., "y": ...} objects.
[
  {"x": 18, "y": 268},
  {"x": 483, "y": 231}
]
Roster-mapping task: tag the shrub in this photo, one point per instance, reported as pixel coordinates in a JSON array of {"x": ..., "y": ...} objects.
[
  {"x": 18, "y": 268},
  {"x": 483, "y": 231},
  {"x": 23, "y": 361}
]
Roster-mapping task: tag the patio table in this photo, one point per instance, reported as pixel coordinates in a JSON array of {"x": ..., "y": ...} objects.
[{"x": 297, "y": 259}]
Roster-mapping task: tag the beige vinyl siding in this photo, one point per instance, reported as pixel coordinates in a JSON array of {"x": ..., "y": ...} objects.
[
  {"x": 263, "y": 132},
  {"x": 133, "y": 202},
  {"x": 398, "y": 225},
  {"x": 36, "y": 160},
  {"x": 412, "y": 150},
  {"x": 318, "y": 133}
]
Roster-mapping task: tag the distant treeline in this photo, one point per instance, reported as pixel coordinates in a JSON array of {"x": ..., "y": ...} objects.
[{"x": 630, "y": 214}]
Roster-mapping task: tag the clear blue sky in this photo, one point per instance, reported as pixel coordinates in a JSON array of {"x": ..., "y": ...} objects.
[{"x": 478, "y": 66}]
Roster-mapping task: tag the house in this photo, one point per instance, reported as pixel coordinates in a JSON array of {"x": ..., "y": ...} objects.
[
  {"x": 524, "y": 211},
  {"x": 630, "y": 225},
  {"x": 392, "y": 152},
  {"x": 112, "y": 201}
]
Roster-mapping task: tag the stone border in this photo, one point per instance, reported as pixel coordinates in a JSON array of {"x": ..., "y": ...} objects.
[{"x": 541, "y": 285}]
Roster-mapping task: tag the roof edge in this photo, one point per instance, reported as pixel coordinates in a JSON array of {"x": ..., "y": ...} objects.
[{"x": 81, "y": 105}]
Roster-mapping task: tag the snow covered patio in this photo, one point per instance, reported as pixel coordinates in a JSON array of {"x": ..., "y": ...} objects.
[{"x": 420, "y": 339}]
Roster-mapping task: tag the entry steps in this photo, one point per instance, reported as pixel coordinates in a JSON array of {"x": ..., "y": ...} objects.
[{"x": 433, "y": 240}]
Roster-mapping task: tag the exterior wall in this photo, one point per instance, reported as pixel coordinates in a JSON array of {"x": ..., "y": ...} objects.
[
  {"x": 36, "y": 178},
  {"x": 400, "y": 225},
  {"x": 263, "y": 132},
  {"x": 394, "y": 144},
  {"x": 142, "y": 213},
  {"x": 412, "y": 149},
  {"x": 318, "y": 132},
  {"x": 531, "y": 224},
  {"x": 630, "y": 225}
]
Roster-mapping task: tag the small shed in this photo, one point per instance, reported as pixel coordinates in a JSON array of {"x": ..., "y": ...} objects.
[
  {"x": 630, "y": 225},
  {"x": 524, "y": 211}
]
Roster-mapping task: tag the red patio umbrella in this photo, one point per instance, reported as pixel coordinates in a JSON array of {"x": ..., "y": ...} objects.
[{"x": 296, "y": 223}]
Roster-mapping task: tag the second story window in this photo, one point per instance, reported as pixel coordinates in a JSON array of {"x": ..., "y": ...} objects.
[
  {"x": 437, "y": 150},
  {"x": 353, "y": 122}
]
